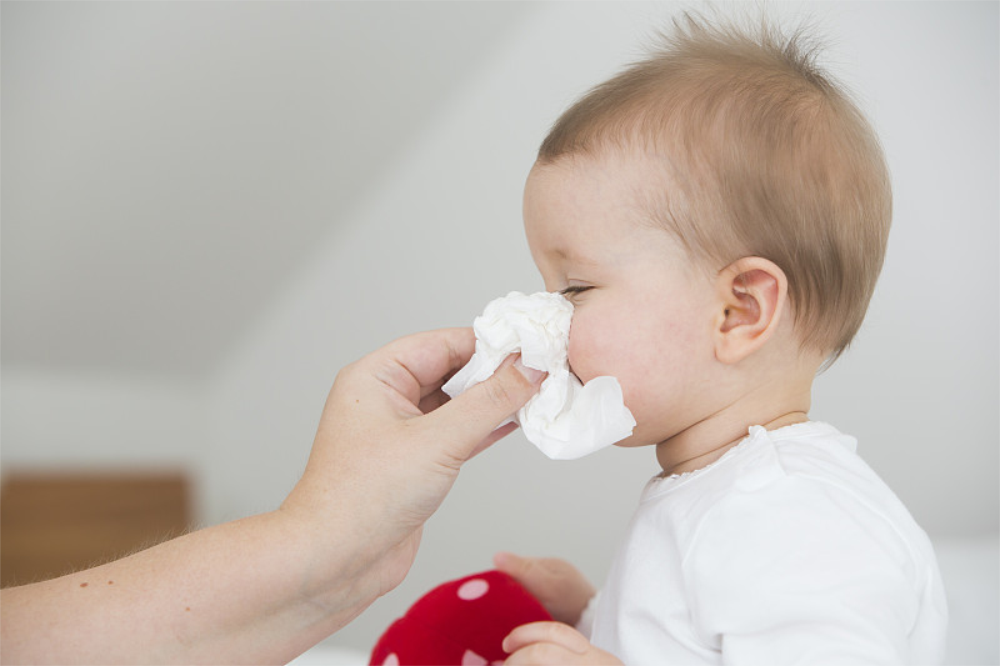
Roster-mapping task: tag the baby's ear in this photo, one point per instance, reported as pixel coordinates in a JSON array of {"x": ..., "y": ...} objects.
[{"x": 752, "y": 294}]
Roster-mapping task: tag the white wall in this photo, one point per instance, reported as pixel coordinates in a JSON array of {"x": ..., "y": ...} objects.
[
  {"x": 82, "y": 422},
  {"x": 443, "y": 236}
]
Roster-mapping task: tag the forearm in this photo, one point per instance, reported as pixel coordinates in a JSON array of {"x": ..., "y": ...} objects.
[
  {"x": 264, "y": 589},
  {"x": 239, "y": 592}
]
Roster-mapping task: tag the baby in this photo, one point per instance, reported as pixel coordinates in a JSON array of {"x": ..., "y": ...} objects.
[{"x": 718, "y": 214}]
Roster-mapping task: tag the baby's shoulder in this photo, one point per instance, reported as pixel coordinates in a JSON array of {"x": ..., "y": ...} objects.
[{"x": 804, "y": 493}]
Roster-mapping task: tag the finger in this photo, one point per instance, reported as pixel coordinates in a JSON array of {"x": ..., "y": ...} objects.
[
  {"x": 542, "y": 654},
  {"x": 493, "y": 438},
  {"x": 513, "y": 565},
  {"x": 530, "y": 572},
  {"x": 416, "y": 365},
  {"x": 555, "y": 633},
  {"x": 432, "y": 401},
  {"x": 433, "y": 355},
  {"x": 473, "y": 416}
]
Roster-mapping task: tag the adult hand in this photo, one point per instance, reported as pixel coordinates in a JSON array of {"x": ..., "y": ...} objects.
[
  {"x": 390, "y": 444},
  {"x": 557, "y": 584},
  {"x": 542, "y": 643}
]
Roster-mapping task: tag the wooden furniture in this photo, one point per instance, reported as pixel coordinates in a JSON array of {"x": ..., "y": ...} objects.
[{"x": 53, "y": 524}]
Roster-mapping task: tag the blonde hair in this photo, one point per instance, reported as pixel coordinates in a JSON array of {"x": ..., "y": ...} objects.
[{"x": 764, "y": 155}]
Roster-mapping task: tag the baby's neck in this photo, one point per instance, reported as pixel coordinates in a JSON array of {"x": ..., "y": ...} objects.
[{"x": 705, "y": 442}]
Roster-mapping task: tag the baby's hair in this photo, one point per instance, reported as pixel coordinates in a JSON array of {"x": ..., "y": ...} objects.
[{"x": 759, "y": 153}]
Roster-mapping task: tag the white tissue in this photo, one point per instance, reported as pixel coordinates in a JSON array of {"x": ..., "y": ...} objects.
[{"x": 565, "y": 419}]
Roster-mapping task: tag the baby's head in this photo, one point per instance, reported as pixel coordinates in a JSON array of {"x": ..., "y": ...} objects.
[{"x": 721, "y": 193}]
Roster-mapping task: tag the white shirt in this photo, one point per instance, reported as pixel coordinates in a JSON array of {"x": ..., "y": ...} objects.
[{"x": 787, "y": 550}]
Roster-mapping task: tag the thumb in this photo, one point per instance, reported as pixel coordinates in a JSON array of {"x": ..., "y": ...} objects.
[
  {"x": 526, "y": 571},
  {"x": 515, "y": 566},
  {"x": 466, "y": 420}
]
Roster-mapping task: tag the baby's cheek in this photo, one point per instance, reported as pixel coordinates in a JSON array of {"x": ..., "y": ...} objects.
[
  {"x": 575, "y": 359},
  {"x": 578, "y": 350},
  {"x": 588, "y": 357}
]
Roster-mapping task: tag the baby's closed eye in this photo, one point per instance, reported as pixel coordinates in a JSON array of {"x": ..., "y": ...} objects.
[{"x": 570, "y": 291}]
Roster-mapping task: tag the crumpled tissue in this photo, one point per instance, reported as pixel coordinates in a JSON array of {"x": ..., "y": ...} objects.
[{"x": 565, "y": 419}]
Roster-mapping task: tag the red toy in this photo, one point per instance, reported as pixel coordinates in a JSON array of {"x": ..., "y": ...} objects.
[{"x": 460, "y": 623}]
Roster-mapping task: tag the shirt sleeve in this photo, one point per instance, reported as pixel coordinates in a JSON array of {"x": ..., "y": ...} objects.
[{"x": 801, "y": 572}]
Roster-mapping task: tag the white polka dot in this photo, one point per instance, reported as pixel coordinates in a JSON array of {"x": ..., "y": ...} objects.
[
  {"x": 391, "y": 660},
  {"x": 470, "y": 658},
  {"x": 473, "y": 589}
]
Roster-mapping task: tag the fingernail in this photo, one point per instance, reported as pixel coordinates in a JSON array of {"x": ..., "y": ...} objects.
[{"x": 533, "y": 375}]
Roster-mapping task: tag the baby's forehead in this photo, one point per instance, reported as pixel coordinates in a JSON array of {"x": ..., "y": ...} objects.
[
  {"x": 580, "y": 207},
  {"x": 636, "y": 185},
  {"x": 629, "y": 170}
]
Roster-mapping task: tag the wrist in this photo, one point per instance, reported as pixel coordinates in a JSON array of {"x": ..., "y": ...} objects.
[
  {"x": 349, "y": 542},
  {"x": 333, "y": 558}
]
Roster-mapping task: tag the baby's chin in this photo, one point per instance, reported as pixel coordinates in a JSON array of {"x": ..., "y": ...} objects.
[{"x": 633, "y": 441}]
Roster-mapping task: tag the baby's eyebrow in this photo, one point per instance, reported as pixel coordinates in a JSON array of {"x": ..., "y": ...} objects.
[{"x": 573, "y": 257}]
